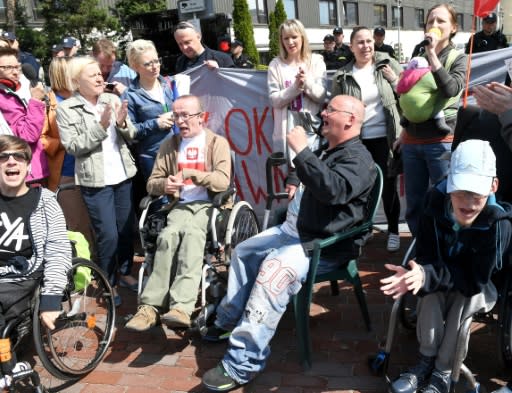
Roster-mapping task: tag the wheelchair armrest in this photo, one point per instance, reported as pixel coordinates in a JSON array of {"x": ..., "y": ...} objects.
[
  {"x": 223, "y": 197},
  {"x": 145, "y": 202}
]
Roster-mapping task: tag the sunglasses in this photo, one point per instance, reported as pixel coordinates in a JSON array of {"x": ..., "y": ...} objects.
[{"x": 19, "y": 156}]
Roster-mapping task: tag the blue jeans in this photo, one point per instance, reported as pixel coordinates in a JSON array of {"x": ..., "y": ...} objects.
[
  {"x": 266, "y": 271},
  {"x": 111, "y": 212},
  {"x": 423, "y": 166}
]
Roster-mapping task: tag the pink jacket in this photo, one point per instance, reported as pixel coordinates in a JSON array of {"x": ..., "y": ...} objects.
[{"x": 26, "y": 122}]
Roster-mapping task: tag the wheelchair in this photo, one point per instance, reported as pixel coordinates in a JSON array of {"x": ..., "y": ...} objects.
[
  {"x": 227, "y": 227},
  {"x": 404, "y": 310},
  {"x": 82, "y": 333}
]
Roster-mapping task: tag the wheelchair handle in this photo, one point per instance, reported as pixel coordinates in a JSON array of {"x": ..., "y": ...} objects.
[{"x": 274, "y": 160}]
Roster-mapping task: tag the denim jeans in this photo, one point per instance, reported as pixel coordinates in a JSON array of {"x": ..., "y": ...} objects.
[
  {"x": 111, "y": 212},
  {"x": 423, "y": 166},
  {"x": 266, "y": 271}
]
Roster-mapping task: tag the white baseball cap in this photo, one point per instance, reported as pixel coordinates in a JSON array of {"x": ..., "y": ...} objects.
[{"x": 472, "y": 167}]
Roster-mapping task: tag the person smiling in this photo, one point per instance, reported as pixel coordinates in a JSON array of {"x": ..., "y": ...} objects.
[{"x": 29, "y": 250}]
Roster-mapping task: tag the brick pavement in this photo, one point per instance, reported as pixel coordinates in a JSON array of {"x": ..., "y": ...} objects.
[{"x": 166, "y": 361}]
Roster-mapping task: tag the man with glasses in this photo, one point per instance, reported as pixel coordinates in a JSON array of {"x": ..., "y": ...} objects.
[
  {"x": 117, "y": 76},
  {"x": 194, "y": 53},
  {"x": 26, "y": 119},
  {"x": 268, "y": 269},
  {"x": 190, "y": 169}
]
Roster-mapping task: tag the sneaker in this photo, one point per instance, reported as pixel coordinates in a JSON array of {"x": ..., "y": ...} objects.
[
  {"x": 145, "y": 319},
  {"x": 216, "y": 334},
  {"x": 439, "y": 382},
  {"x": 415, "y": 378},
  {"x": 176, "y": 319},
  {"x": 393, "y": 242},
  {"x": 218, "y": 380}
]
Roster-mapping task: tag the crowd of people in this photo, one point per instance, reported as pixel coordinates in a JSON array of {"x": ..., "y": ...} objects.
[{"x": 99, "y": 113}]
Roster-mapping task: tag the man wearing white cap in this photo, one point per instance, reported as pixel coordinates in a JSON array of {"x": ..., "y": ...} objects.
[{"x": 462, "y": 238}]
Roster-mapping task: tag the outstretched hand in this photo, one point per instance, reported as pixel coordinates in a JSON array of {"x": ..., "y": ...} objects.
[{"x": 403, "y": 280}]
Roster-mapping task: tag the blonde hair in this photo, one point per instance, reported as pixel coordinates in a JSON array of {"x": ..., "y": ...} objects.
[
  {"x": 137, "y": 48},
  {"x": 59, "y": 75},
  {"x": 76, "y": 66},
  {"x": 295, "y": 26}
]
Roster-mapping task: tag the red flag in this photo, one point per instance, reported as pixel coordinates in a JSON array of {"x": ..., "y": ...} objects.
[{"x": 484, "y": 7}]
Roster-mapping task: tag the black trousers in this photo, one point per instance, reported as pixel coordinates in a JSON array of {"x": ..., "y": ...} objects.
[{"x": 15, "y": 298}]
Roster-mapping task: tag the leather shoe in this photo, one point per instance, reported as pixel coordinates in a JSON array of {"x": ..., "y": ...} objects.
[{"x": 415, "y": 378}]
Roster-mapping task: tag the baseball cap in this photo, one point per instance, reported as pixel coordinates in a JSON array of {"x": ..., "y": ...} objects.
[
  {"x": 237, "y": 43},
  {"x": 68, "y": 42},
  {"x": 490, "y": 18},
  {"x": 329, "y": 37},
  {"x": 56, "y": 47},
  {"x": 472, "y": 167},
  {"x": 338, "y": 30},
  {"x": 9, "y": 35},
  {"x": 379, "y": 31}
]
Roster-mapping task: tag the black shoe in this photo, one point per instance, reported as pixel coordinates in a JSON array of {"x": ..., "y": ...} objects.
[
  {"x": 415, "y": 378},
  {"x": 439, "y": 382},
  {"x": 218, "y": 380},
  {"x": 216, "y": 334}
]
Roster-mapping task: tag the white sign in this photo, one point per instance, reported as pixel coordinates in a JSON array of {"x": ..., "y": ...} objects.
[{"x": 189, "y": 6}]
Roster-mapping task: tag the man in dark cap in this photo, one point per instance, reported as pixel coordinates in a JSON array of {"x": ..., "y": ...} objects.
[
  {"x": 70, "y": 46},
  {"x": 240, "y": 60},
  {"x": 329, "y": 53},
  {"x": 488, "y": 38},
  {"x": 343, "y": 52},
  {"x": 379, "y": 34}
]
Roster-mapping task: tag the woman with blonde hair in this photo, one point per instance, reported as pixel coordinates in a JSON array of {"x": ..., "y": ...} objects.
[
  {"x": 150, "y": 98},
  {"x": 296, "y": 81},
  {"x": 94, "y": 127}
]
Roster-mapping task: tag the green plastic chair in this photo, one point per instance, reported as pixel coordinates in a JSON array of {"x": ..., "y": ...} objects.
[{"x": 349, "y": 272}]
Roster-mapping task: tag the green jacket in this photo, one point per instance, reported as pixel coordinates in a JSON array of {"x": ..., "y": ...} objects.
[
  {"x": 82, "y": 135},
  {"x": 343, "y": 82}
]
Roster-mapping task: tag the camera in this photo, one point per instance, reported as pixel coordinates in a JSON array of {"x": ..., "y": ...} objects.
[{"x": 110, "y": 86}]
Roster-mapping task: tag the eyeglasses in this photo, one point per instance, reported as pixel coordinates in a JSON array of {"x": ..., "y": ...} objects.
[
  {"x": 10, "y": 67},
  {"x": 19, "y": 156},
  {"x": 150, "y": 63},
  {"x": 473, "y": 196},
  {"x": 184, "y": 116},
  {"x": 330, "y": 110}
]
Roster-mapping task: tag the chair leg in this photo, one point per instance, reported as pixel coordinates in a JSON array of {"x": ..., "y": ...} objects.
[
  {"x": 355, "y": 280},
  {"x": 302, "y": 306},
  {"x": 335, "y": 290}
]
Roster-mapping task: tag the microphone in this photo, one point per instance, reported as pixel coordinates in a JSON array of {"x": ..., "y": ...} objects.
[
  {"x": 30, "y": 73},
  {"x": 428, "y": 40}
]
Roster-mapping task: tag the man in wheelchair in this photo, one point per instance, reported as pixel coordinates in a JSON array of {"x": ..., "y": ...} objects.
[
  {"x": 29, "y": 250},
  {"x": 268, "y": 269},
  {"x": 463, "y": 238},
  {"x": 190, "y": 169}
]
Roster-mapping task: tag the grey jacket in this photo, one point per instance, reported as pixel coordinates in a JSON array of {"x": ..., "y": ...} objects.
[
  {"x": 82, "y": 135},
  {"x": 343, "y": 82}
]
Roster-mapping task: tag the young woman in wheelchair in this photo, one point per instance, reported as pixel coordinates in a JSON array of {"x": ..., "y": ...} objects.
[
  {"x": 30, "y": 253},
  {"x": 462, "y": 239}
]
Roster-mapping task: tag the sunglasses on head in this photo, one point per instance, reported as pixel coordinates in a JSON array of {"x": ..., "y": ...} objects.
[{"x": 19, "y": 156}]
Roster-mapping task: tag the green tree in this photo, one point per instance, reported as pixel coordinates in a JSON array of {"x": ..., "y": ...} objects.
[
  {"x": 31, "y": 40},
  {"x": 275, "y": 19},
  {"x": 124, "y": 9},
  {"x": 242, "y": 25},
  {"x": 80, "y": 19}
]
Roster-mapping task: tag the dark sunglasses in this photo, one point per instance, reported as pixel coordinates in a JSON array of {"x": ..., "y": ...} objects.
[{"x": 19, "y": 156}]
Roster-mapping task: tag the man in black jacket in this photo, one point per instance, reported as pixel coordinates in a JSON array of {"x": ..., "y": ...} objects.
[
  {"x": 194, "y": 53},
  {"x": 379, "y": 34},
  {"x": 268, "y": 269},
  {"x": 238, "y": 56},
  {"x": 488, "y": 38}
]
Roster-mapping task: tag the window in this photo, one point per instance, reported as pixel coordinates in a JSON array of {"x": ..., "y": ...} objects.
[
  {"x": 258, "y": 11},
  {"x": 290, "y": 7},
  {"x": 398, "y": 17},
  {"x": 36, "y": 9},
  {"x": 328, "y": 12},
  {"x": 351, "y": 13},
  {"x": 419, "y": 18},
  {"x": 460, "y": 21},
  {"x": 2, "y": 10},
  {"x": 380, "y": 17}
]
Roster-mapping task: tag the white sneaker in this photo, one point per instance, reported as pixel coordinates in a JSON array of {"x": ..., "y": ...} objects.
[
  {"x": 503, "y": 389},
  {"x": 393, "y": 242}
]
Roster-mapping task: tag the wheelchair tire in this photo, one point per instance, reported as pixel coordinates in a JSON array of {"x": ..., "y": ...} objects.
[
  {"x": 505, "y": 321},
  {"x": 242, "y": 225},
  {"x": 84, "y": 331}
]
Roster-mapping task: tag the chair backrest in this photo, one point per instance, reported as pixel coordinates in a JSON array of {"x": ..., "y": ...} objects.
[{"x": 374, "y": 197}]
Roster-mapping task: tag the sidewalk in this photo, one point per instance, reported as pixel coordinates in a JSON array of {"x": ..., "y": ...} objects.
[{"x": 166, "y": 361}]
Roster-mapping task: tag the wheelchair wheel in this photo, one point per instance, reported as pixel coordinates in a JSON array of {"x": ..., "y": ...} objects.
[
  {"x": 242, "y": 225},
  {"x": 505, "y": 321},
  {"x": 84, "y": 330}
]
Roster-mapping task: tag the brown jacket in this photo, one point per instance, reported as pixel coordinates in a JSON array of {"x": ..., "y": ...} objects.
[{"x": 216, "y": 178}]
